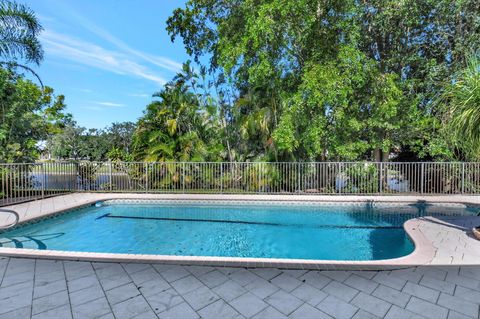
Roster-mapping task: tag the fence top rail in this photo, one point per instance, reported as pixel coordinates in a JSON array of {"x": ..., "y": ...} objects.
[{"x": 17, "y": 164}]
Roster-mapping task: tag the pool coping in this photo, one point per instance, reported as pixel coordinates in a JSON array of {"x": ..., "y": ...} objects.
[{"x": 423, "y": 253}]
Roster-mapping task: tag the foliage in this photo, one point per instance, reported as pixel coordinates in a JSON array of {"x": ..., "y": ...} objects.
[
  {"x": 19, "y": 30},
  {"x": 28, "y": 115},
  {"x": 362, "y": 178},
  {"x": 65, "y": 144},
  {"x": 329, "y": 79},
  {"x": 461, "y": 102},
  {"x": 182, "y": 125},
  {"x": 117, "y": 154},
  {"x": 277, "y": 80},
  {"x": 86, "y": 175},
  {"x": 120, "y": 136},
  {"x": 76, "y": 142},
  {"x": 343, "y": 109}
]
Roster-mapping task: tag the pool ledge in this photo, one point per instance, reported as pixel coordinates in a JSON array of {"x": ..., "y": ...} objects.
[{"x": 426, "y": 250}]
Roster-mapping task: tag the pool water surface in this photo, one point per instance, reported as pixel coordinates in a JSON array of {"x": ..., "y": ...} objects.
[{"x": 305, "y": 231}]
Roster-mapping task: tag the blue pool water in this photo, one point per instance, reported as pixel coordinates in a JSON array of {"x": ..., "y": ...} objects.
[{"x": 333, "y": 232}]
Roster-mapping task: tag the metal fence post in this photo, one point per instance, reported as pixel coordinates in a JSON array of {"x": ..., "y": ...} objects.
[
  {"x": 463, "y": 177},
  {"x": 146, "y": 177},
  {"x": 259, "y": 170},
  {"x": 44, "y": 179},
  {"x": 183, "y": 177},
  {"x": 340, "y": 178},
  {"x": 221, "y": 177},
  {"x": 381, "y": 177},
  {"x": 110, "y": 175},
  {"x": 298, "y": 177},
  {"x": 422, "y": 178}
]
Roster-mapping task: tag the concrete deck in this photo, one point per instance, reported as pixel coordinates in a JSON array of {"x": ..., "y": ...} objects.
[
  {"x": 449, "y": 287},
  {"x": 34, "y": 288}
]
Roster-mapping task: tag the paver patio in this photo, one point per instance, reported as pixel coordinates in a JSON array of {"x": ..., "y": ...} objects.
[
  {"x": 449, "y": 287},
  {"x": 35, "y": 288}
]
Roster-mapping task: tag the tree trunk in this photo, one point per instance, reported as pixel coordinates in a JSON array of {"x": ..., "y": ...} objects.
[{"x": 379, "y": 155}]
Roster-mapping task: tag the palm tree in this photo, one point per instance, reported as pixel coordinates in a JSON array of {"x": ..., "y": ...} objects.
[
  {"x": 462, "y": 100},
  {"x": 19, "y": 30}
]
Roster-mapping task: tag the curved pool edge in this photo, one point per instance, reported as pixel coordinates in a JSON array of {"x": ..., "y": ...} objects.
[{"x": 422, "y": 254}]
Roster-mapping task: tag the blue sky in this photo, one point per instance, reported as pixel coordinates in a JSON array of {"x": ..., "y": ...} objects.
[{"x": 107, "y": 57}]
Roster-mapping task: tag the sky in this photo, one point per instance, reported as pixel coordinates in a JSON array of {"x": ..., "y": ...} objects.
[{"x": 107, "y": 57}]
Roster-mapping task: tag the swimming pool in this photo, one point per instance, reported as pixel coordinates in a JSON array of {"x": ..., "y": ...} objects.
[{"x": 319, "y": 231}]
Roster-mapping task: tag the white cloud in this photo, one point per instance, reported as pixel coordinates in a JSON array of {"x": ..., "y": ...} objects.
[
  {"x": 93, "y": 55},
  {"x": 140, "y": 95},
  {"x": 44, "y": 18},
  {"x": 102, "y": 106},
  {"x": 112, "y": 104},
  {"x": 84, "y": 90},
  {"x": 159, "y": 61}
]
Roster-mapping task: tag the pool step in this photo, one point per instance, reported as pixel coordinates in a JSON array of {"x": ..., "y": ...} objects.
[{"x": 22, "y": 242}]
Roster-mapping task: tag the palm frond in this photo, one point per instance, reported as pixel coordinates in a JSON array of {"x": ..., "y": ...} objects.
[
  {"x": 462, "y": 101},
  {"x": 18, "y": 16},
  {"x": 19, "y": 30},
  {"x": 21, "y": 66}
]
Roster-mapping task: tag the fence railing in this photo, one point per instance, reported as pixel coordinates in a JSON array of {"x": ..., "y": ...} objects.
[{"x": 20, "y": 182}]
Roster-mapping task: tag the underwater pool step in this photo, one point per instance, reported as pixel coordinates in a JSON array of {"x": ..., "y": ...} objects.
[
  {"x": 29, "y": 242},
  {"x": 109, "y": 215}
]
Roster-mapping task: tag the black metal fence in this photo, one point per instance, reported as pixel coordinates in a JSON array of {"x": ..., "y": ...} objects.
[{"x": 27, "y": 181}]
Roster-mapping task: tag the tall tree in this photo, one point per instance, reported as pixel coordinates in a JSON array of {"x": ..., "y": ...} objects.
[
  {"x": 28, "y": 114},
  {"x": 460, "y": 101},
  {"x": 330, "y": 79},
  {"x": 76, "y": 142},
  {"x": 120, "y": 135},
  {"x": 66, "y": 143},
  {"x": 181, "y": 125}
]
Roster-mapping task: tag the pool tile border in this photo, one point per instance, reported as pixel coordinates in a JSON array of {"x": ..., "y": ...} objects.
[{"x": 281, "y": 202}]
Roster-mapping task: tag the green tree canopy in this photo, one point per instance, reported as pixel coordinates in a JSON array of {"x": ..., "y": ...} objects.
[
  {"x": 28, "y": 114},
  {"x": 329, "y": 79},
  {"x": 76, "y": 142},
  {"x": 181, "y": 125},
  {"x": 460, "y": 101}
]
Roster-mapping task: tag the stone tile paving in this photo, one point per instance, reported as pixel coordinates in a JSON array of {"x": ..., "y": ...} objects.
[{"x": 35, "y": 288}]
